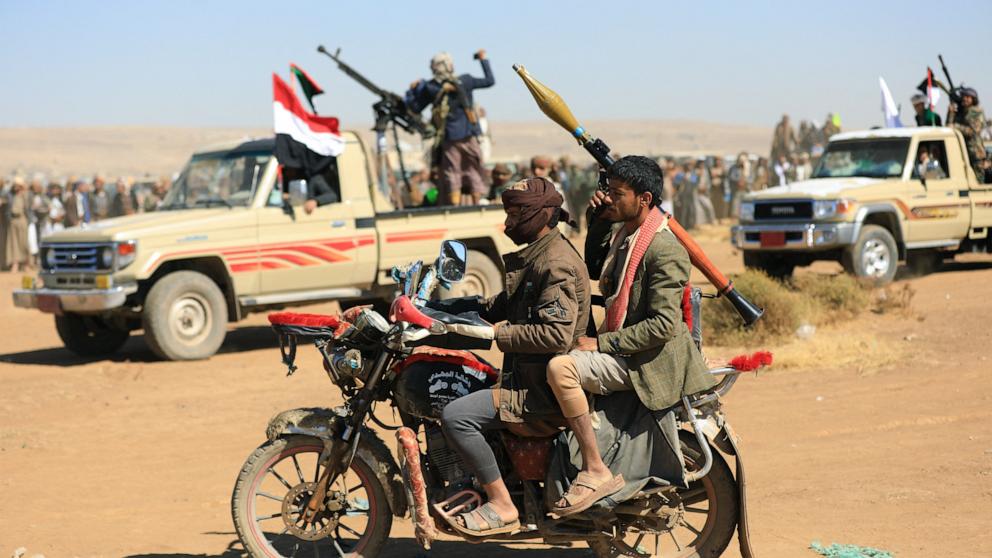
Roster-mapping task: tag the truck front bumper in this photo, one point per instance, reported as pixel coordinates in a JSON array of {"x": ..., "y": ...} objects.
[
  {"x": 56, "y": 301},
  {"x": 793, "y": 236}
]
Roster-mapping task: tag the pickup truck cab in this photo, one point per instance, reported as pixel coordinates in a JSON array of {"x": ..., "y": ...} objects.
[
  {"x": 876, "y": 198},
  {"x": 223, "y": 246}
]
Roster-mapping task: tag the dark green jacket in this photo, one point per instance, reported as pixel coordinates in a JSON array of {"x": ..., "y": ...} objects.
[{"x": 664, "y": 362}]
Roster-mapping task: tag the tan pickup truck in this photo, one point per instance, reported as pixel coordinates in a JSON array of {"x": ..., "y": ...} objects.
[
  {"x": 876, "y": 198},
  {"x": 222, "y": 246}
]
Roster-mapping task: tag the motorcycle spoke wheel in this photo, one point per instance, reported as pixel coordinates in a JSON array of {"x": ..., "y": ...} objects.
[
  {"x": 281, "y": 491},
  {"x": 709, "y": 517}
]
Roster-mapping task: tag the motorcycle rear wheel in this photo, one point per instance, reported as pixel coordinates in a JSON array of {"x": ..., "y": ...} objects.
[
  {"x": 261, "y": 498},
  {"x": 711, "y": 511}
]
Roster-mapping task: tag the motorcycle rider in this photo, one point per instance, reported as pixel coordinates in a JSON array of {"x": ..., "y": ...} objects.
[
  {"x": 542, "y": 312},
  {"x": 643, "y": 344}
]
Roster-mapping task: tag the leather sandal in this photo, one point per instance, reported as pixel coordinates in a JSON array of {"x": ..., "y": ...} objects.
[{"x": 599, "y": 490}]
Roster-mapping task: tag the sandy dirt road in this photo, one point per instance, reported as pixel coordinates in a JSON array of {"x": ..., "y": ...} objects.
[{"x": 133, "y": 457}]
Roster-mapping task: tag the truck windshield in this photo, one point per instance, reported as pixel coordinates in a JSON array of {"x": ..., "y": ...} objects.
[
  {"x": 217, "y": 179},
  {"x": 872, "y": 158}
]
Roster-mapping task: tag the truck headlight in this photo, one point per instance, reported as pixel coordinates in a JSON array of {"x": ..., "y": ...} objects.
[
  {"x": 747, "y": 211},
  {"x": 126, "y": 252},
  {"x": 49, "y": 258},
  {"x": 825, "y": 209},
  {"x": 106, "y": 257}
]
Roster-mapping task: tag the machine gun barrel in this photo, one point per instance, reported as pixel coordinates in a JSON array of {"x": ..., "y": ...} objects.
[
  {"x": 391, "y": 106},
  {"x": 555, "y": 108},
  {"x": 952, "y": 91}
]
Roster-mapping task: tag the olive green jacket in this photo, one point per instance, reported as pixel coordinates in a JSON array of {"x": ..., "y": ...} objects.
[{"x": 665, "y": 363}]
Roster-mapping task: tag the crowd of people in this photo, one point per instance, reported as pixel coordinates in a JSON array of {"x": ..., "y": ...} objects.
[{"x": 31, "y": 209}]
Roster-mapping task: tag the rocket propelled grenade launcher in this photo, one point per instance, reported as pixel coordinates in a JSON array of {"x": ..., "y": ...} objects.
[{"x": 555, "y": 108}]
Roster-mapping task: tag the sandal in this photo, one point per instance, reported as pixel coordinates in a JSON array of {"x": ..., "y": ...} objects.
[
  {"x": 483, "y": 521},
  {"x": 599, "y": 490}
]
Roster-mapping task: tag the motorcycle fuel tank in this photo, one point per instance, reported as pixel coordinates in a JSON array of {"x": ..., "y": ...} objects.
[{"x": 424, "y": 388}]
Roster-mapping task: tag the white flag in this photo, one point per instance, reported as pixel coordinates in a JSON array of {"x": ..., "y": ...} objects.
[{"x": 889, "y": 108}]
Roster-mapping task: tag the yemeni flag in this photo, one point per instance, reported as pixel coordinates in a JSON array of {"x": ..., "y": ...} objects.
[
  {"x": 307, "y": 84},
  {"x": 303, "y": 140}
]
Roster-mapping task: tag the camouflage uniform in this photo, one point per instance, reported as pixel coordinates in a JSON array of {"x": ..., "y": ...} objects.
[{"x": 970, "y": 123}]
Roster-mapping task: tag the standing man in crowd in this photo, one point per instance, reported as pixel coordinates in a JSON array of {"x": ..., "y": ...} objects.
[
  {"x": 501, "y": 181},
  {"x": 717, "y": 193},
  {"x": 738, "y": 180},
  {"x": 99, "y": 199},
  {"x": 456, "y": 146},
  {"x": 77, "y": 205},
  {"x": 784, "y": 140},
  {"x": 122, "y": 204},
  {"x": 969, "y": 119}
]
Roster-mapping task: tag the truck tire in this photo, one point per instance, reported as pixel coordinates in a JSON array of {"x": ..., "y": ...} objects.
[
  {"x": 778, "y": 266},
  {"x": 873, "y": 256},
  {"x": 90, "y": 336},
  {"x": 185, "y": 316},
  {"x": 482, "y": 278}
]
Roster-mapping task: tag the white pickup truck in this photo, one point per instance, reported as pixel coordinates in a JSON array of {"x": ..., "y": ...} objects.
[{"x": 876, "y": 198}]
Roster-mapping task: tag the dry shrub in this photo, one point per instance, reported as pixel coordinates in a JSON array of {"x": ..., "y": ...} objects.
[
  {"x": 784, "y": 312},
  {"x": 834, "y": 297},
  {"x": 894, "y": 299}
]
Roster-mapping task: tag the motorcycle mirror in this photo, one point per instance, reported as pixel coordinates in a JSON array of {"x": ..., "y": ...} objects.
[
  {"x": 452, "y": 261},
  {"x": 412, "y": 278}
]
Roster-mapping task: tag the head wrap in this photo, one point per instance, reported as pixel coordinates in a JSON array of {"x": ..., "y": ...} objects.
[
  {"x": 918, "y": 99},
  {"x": 540, "y": 205},
  {"x": 443, "y": 66}
]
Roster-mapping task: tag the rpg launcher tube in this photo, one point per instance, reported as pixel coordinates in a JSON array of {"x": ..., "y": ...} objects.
[{"x": 552, "y": 105}]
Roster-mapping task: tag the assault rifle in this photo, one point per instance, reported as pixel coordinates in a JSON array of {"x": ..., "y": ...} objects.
[{"x": 390, "y": 107}]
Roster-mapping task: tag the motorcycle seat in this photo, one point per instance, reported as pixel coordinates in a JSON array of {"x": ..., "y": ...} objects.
[{"x": 306, "y": 325}]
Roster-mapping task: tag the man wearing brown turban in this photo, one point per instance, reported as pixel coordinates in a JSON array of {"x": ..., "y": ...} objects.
[{"x": 541, "y": 313}]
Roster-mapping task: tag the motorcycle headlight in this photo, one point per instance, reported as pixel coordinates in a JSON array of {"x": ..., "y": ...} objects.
[
  {"x": 106, "y": 257},
  {"x": 126, "y": 252},
  {"x": 825, "y": 209},
  {"x": 747, "y": 211}
]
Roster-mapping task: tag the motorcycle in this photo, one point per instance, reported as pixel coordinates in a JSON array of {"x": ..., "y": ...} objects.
[{"x": 325, "y": 484}]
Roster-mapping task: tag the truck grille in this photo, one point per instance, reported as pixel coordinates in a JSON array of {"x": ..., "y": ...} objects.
[
  {"x": 783, "y": 210},
  {"x": 73, "y": 257}
]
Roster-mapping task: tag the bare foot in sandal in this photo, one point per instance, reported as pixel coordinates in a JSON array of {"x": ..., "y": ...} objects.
[{"x": 587, "y": 489}]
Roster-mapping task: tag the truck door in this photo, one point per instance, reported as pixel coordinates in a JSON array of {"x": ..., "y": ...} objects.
[
  {"x": 940, "y": 212},
  {"x": 308, "y": 252}
]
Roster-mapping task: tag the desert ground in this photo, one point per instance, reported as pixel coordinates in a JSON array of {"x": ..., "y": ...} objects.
[
  {"x": 874, "y": 432},
  {"x": 139, "y": 151}
]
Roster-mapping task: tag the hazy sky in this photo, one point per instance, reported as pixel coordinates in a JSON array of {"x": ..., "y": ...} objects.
[{"x": 209, "y": 63}]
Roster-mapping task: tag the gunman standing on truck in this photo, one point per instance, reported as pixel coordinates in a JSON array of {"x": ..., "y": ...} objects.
[
  {"x": 456, "y": 147},
  {"x": 969, "y": 119}
]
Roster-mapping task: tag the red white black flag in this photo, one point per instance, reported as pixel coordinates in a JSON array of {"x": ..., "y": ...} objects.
[{"x": 303, "y": 140}]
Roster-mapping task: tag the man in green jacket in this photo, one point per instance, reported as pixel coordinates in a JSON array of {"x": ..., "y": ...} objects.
[{"x": 643, "y": 344}]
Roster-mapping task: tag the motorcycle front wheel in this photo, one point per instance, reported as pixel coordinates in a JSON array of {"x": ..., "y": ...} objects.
[
  {"x": 274, "y": 487},
  {"x": 710, "y": 511}
]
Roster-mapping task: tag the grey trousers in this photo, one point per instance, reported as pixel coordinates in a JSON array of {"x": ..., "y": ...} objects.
[{"x": 463, "y": 422}]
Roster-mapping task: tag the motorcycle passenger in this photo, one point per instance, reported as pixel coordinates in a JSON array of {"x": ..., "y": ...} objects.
[
  {"x": 541, "y": 313},
  {"x": 643, "y": 343}
]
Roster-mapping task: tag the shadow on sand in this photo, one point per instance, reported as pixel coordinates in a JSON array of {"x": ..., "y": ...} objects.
[
  {"x": 247, "y": 338},
  {"x": 398, "y": 547}
]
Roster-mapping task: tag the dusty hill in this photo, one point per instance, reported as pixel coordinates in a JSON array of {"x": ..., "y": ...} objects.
[{"x": 135, "y": 150}]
